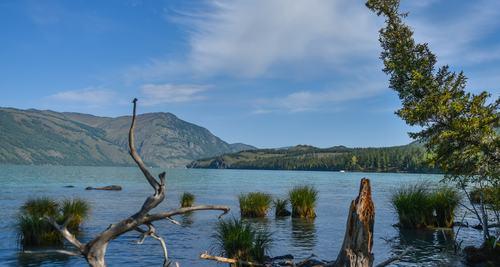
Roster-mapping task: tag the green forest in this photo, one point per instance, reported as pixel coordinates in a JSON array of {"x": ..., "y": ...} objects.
[{"x": 408, "y": 158}]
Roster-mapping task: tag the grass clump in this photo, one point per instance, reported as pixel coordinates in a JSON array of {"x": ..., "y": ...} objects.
[
  {"x": 418, "y": 206},
  {"x": 254, "y": 204},
  {"x": 413, "y": 204},
  {"x": 77, "y": 210},
  {"x": 303, "y": 199},
  {"x": 187, "y": 200},
  {"x": 33, "y": 228},
  {"x": 239, "y": 240},
  {"x": 445, "y": 201},
  {"x": 280, "y": 207}
]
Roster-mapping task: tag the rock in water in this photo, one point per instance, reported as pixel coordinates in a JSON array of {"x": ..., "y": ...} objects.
[{"x": 107, "y": 188}]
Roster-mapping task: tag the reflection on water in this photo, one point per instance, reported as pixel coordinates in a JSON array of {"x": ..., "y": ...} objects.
[
  {"x": 187, "y": 219},
  {"x": 41, "y": 259},
  {"x": 431, "y": 247},
  {"x": 303, "y": 233}
]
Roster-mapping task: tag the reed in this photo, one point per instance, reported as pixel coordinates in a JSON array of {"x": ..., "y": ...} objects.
[
  {"x": 34, "y": 230},
  {"x": 254, "y": 204},
  {"x": 414, "y": 206},
  {"x": 76, "y": 210},
  {"x": 280, "y": 207},
  {"x": 303, "y": 199},
  {"x": 445, "y": 200},
  {"x": 239, "y": 240},
  {"x": 187, "y": 200}
]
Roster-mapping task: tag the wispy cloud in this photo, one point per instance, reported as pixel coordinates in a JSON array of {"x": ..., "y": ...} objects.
[
  {"x": 155, "y": 94},
  {"x": 250, "y": 38},
  {"x": 88, "y": 96},
  {"x": 461, "y": 39},
  {"x": 309, "y": 100}
]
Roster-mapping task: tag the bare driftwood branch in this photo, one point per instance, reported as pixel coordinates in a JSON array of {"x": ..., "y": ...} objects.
[
  {"x": 53, "y": 251},
  {"x": 207, "y": 256},
  {"x": 395, "y": 258},
  {"x": 95, "y": 250}
]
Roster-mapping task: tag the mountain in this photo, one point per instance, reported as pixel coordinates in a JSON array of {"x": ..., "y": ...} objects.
[
  {"x": 48, "y": 137},
  {"x": 408, "y": 158}
]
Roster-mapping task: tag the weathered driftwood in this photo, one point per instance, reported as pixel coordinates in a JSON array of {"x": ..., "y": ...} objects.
[
  {"x": 358, "y": 239},
  {"x": 95, "y": 250}
]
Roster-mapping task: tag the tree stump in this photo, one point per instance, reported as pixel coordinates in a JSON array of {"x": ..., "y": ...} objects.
[{"x": 358, "y": 239}]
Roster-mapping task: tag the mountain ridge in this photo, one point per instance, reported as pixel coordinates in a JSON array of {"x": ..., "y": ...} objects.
[{"x": 40, "y": 137}]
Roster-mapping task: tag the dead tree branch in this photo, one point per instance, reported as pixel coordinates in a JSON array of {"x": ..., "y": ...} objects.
[{"x": 95, "y": 250}]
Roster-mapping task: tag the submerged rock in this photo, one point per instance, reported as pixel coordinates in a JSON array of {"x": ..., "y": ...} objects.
[{"x": 106, "y": 188}]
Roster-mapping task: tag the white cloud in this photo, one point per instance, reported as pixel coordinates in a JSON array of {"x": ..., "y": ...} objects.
[
  {"x": 309, "y": 100},
  {"x": 457, "y": 39},
  {"x": 249, "y": 38},
  {"x": 155, "y": 94},
  {"x": 88, "y": 96}
]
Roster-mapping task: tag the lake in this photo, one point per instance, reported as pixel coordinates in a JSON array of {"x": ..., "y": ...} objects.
[{"x": 323, "y": 236}]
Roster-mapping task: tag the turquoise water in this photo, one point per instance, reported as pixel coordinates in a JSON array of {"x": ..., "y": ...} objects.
[{"x": 323, "y": 237}]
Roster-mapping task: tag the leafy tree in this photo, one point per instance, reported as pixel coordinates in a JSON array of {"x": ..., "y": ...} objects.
[{"x": 457, "y": 127}]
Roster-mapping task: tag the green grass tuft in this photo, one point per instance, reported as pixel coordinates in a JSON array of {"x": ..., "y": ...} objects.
[
  {"x": 75, "y": 209},
  {"x": 413, "y": 204},
  {"x": 303, "y": 199},
  {"x": 34, "y": 230},
  {"x": 280, "y": 207},
  {"x": 239, "y": 240},
  {"x": 445, "y": 200},
  {"x": 418, "y": 206},
  {"x": 254, "y": 204},
  {"x": 187, "y": 200}
]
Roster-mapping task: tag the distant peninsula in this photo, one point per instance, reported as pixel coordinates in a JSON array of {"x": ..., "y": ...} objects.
[{"x": 407, "y": 158}]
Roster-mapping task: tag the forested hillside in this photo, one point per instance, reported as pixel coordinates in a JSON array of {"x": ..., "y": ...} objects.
[
  {"x": 409, "y": 158},
  {"x": 48, "y": 137}
]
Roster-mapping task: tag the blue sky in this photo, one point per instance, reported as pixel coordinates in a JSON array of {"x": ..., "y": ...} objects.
[{"x": 267, "y": 73}]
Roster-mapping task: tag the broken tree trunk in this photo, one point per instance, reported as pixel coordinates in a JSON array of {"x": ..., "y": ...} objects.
[
  {"x": 95, "y": 250},
  {"x": 358, "y": 239}
]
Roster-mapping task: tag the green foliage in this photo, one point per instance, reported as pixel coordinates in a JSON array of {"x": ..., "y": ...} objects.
[
  {"x": 187, "y": 199},
  {"x": 413, "y": 204},
  {"x": 254, "y": 204},
  {"x": 458, "y": 127},
  {"x": 39, "y": 207},
  {"x": 409, "y": 158},
  {"x": 76, "y": 210},
  {"x": 303, "y": 199},
  {"x": 491, "y": 194},
  {"x": 280, "y": 207},
  {"x": 35, "y": 230},
  {"x": 239, "y": 240},
  {"x": 418, "y": 206},
  {"x": 445, "y": 200}
]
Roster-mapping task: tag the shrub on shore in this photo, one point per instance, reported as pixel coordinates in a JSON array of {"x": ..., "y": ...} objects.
[
  {"x": 187, "y": 200},
  {"x": 239, "y": 240},
  {"x": 280, "y": 207},
  {"x": 254, "y": 204},
  {"x": 445, "y": 201},
  {"x": 491, "y": 195},
  {"x": 303, "y": 199},
  {"x": 35, "y": 230},
  {"x": 418, "y": 206}
]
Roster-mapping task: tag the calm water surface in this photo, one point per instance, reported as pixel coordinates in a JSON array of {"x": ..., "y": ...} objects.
[{"x": 323, "y": 237}]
